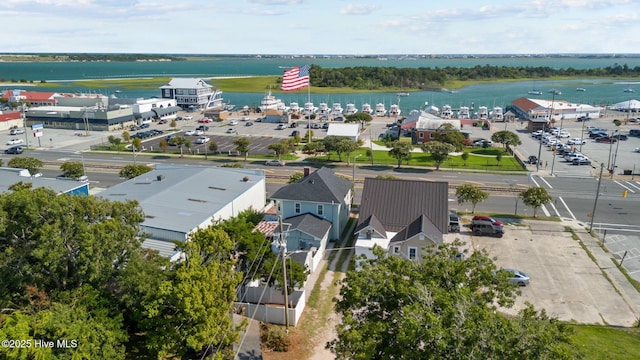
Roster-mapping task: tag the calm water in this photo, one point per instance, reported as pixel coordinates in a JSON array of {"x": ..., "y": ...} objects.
[{"x": 598, "y": 92}]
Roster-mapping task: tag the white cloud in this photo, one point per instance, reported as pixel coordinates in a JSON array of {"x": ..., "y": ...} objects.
[{"x": 358, "y": 9}]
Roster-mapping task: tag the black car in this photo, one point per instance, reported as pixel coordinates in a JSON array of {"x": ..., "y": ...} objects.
[
  {"x": 622, "y": 137},
  {"x": 14, "y": 150},
  {"x": 202, "y": 127},
  {"x": 295, "y": 133},
  {"x": 533, "y": 159}
]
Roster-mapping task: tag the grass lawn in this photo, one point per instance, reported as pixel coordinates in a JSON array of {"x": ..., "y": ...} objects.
[{"x": 607, "y": 343}]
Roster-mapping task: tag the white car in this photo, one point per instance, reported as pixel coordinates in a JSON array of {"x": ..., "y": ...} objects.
[
  {"x": 576, "y": 141},
  {"x": 15, "y": 141},
  {"x": 190, "y": 132},
  {"x": 637, "y": 150},
  {"x": 203, "y": 140},
  {"x": 233, "y": 122},
  {"x": 198, "y": 133},
  {"x": 274, "y": 163},
  {"x": 16, "y": 132},
  {"x": 564, "y": 134},
  {"x": 281, "y": 127},
  {"x": 188, "y": 117},
  {"x": 231, "y": 130}
]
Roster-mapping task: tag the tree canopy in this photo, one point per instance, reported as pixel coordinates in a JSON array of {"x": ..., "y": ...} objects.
[
  {"x": 440, "y": 308},
  {"x": 470, "y": 193},
  {"x": 439, "y": 151},
  {"x": 130, "y": 171},
  {"x": 506, "y": 137},
  {"x": 535, "y": 197},
  {"x": 32, "y": 164},
  {"x": 401, "y": 150}
]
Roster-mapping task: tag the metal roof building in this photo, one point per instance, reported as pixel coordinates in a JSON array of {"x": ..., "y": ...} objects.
[
  {"x": 178, "y": 200},
  {"x": 10, "y": 176}
]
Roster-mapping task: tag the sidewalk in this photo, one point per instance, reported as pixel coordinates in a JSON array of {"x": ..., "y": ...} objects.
[{"x": 608, "y": 266}]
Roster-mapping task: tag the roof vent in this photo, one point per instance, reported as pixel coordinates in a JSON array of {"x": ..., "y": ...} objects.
[
  {"x": 245, "y": 179},
  {"x": 160, "y": 177}
]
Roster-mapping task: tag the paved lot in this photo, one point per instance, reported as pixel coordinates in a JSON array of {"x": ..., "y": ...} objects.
[{"x": 565, "y": 281}]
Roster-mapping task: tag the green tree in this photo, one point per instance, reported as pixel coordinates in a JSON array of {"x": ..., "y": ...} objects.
[
  {"x": 32, "y": 164},
  {"x": 72, "y": 169},
  {"x": 126, "y": 136},
  {"x": 173, "y": 124},
  {"x": 313, "y": 148},
  {"x": 401, "y": 150},
  {"x": 339, "y": 144},
  {"x": 465, "y": 157},
  {"x": 136, "y": 144},
  {"x": 499, "y": 158},
  {"x": 242, "y": 146},
  {"x": 506, "y": 137},
  {"x": 132, "y": 170},
  {"x": 163, "y": 144},
  {"x": 535, "y": 197},
  {"x": 439, "y": 151},
  {"x": 447, "y": 307},
  {"x": 280, "y": 148},
  {"x": 293, "y": 178},
  {"x": 181, "y": 141},
  {"x": 360, "y": 117},
  {"x": 212, "y": 146},
  {"x": 448, "y": 134},
  {"x": 470, "y": 193},
  {"x": 114, "y": 141},
  {"x": 308, "y": 135}
]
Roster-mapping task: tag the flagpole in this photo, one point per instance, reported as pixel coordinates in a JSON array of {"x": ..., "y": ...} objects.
[{"x": 309, "y": 120}]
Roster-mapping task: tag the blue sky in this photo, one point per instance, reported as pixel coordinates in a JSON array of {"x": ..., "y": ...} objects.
[{"x": 321, "y": 26}]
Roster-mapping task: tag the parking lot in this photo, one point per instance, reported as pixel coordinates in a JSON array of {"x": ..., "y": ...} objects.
[{"x": 565, "y": 281}]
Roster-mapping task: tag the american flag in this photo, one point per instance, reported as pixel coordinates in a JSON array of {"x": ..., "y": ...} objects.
[{"x": 295, "y": 78}]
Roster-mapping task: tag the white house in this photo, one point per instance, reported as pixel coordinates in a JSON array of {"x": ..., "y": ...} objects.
[
  {"x": 188, "y": 92},
  {"x": 351, "y": 131}
]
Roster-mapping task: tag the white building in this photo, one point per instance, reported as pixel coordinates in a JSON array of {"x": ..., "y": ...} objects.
[
  {"x": 351, "y": 131},
  {"x": 188, "y": 92},
  {"x": 178, "y": 200}
]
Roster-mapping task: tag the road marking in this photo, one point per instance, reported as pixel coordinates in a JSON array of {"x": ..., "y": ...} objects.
[
  {"x": 567, "y": 207},
  {"x": 553, "y": 206},
  {"x": 534, "y": 181},
  {"x": 616, "y": 181},
  {"x": 545, "y": 181},
  {"x": 63, "y": 159},
  {"x": 544, "y": 209},
  {"x": 633, "y": 184}
]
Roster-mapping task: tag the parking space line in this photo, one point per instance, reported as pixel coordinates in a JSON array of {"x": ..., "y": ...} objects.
[
  {"x": 616, "y": 181},
  {"x": 544, "y": 209},
  {"x": 553, "y": 206},
  {"x": 545, "y": 181},
  {"x": 567, "y": 207},
  {"x": 633, "y": 184}
]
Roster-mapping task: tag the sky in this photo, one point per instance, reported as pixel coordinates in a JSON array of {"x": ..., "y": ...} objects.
[{"x": 301, "y": 27}]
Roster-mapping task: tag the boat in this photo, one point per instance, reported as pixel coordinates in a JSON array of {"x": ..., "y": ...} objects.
[
  {"x": 483, "y": 113},
  {"x": 294, "y": 107},
  {"x": 402, "y": 93},
  {"x": 394, "y": 110},
  {"x": 380, "y": 110},
  {"x": 446, "y": 112},
  {"x": 270, "y": 102},
  {"x": 351, "y": 109},
  {"x": 497, "y": 114},
  {"x": 323, "y": 109},
  {"x": 534, "y": 92},
  {"x": 336, "y": 110},
  {"x": 463, "y": 113},
  {"x": 309, "y": 109},
  {"x": 555, "y": 92},
  {"x": 581, "y": 89},
  {"x": 628, "y": 90},
  {"x": 366, "y": 108}
]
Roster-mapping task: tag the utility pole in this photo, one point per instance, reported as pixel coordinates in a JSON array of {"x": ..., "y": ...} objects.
[
  {"x": 595, "y": 202},
  {"x": 283, "y": 247}
]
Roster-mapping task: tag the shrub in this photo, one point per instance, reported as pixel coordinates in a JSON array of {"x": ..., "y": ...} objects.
[{"x": 274, "y": 337}]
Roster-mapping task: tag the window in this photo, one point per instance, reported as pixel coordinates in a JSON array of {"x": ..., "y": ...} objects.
[
  {"x": 413, "y": 253},
  {"x": 278, "y": 206},
  {"x": 320, "y": 210},
  {"x": 396, "y": 250},
  {"x": 421, "y": 135},
  {"x": 297, "y": 206}
]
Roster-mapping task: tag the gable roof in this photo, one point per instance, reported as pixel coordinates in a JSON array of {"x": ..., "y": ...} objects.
[
  {"x": 421, "y": 224},
  {"x": 374, "y": 223},
  {"x": 310, "y": 224},
  {"x": 525, "y": 104},
  {"x": 186, "y": 83},
  {"x": 396, "y": 203},
  {"x": 323, "y": 185}
]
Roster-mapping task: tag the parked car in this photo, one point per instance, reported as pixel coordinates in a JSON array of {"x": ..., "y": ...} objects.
[
  {"x": 636, "y": 150},
  {"x": 487, "y": 229},
  {"x": 577, "y": 141},
  {"x": 572, "y": 156},
  {"x": 281, "y": 127},
  {"x": 231, "y": 130},
  {"x": 533, "y": 159},
  {"x": 325, "y": 126},
  {"x": 203, "y": 140},
  {"x": 14, "y": 150},
  {"x": 187, "y": 117},
  {"x": 295, "y": 133},
  {"x": 581, "y": 161},
  {"x": 16, "y": 132},
  {"x": 15, "y": 141},
  {"x": 198, "y": 132},
  {"x": 597, "y": 134},
  {"x": 454, "y": 222},
  {"x": 203, "y": 128},
  {"x": 482, "y": 142},
  {"x": 82, "y": 178},
  {"x": 162, "y": 122},
  {"x": 621, "y": 137},
  {"x": 605, "y": 139},
  {"x": 480, "y": 219},
  {"x": 514, "y": 276},
  {"x": 233, "y": 122},
  {"x": 205, "y": 120},
  {"x": 274, "y": 163},
  {"x": 190, "y": 132},
  {"x": 144, "y": 126},
  {"x": 248, "y": 123}
]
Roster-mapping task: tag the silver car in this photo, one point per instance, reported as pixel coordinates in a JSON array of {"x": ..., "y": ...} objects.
[{"x": 516, "y": 277}]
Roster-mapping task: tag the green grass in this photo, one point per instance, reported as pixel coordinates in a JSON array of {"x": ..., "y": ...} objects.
[{"x": 607, "y": 343}]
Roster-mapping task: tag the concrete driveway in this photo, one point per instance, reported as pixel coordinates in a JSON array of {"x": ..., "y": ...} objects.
[{"x": 565, "y": 281}]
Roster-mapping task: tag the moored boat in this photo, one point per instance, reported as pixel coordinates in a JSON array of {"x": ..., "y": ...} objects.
[
  {"x": 463, "y": 112},
  {"x": 323, "y": 109},
  {"x": 350, "y": 109},
  {"x": 366, "y": 108},
  {"x": 270, "y": 102},
  {"x": 294, "y": 107},
  {"x": 581, "y": 89},
  {"x": 534, "y": 92},
  {"x": 380, "y": 110},
  {"x": 309, "y": 109},
  {"x": 336, "y": 109},
  {"x": 446, "y": 112},
  {"x": 394, "y": 110},
  {"x": 628, "y": 90},
  {"x": 402, "y": 93}
]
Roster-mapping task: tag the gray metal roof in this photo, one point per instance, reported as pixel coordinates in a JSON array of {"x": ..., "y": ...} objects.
[
  {"x": 167, "y": 110},
  {"x": 310, "y": 224},
  {"x": 320, "y": 186},
  {"x": 396, "y": 203},
  {"x": 10, "y": 176},
  {"x": 186, "y": 83},
  {"x": 375, "y": 224},
  {"x": 421, "y": 224},
  {"x": 186, "y": 196}
]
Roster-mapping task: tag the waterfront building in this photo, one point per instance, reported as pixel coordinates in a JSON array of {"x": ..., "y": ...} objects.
[{"x": 189, "y": 93}]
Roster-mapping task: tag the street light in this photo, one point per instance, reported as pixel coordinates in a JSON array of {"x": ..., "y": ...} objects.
[
  {"x": 595, "y": 202},
  {"x": 353, "y": 174}
]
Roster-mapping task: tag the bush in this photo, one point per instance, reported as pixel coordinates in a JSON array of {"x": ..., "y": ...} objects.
[{"x": 274, "y": 337}]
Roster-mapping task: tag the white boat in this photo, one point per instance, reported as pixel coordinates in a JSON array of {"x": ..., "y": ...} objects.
[
  {"x": 497, "y": 114},
  {"x": 628, "y": 90},
  {"x": 380, "y": 110},
  {"x": 446, "y": 112},
  {"x": 366, "y": 108},
  {"x": 534, "y": 92},
  {"x": 309, "y": 109},
  {"x": 483, "y": 112},
  {"x": 294, "y": 107},
  {"x": 269, "y": 102},
  {"x": 350, "y": 109},
  {"x": 402, "y": 93},
  {"x": 463, "y": 113},
  {"x": 581, "y": 89},
  {"x": 555, "y": 92},
  {"x": 323, "y": 109},
  {"x": 336, "y": 110},
  {"x": 394, "y": 110}
]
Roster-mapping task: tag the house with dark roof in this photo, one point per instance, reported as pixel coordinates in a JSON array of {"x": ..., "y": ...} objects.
[
  {"x": 401, "y": 216},
  {"x": 322, "y": 194},
  {"x": 188, "y": 92}
]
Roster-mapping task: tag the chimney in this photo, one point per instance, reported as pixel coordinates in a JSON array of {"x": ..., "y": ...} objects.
[
  {"x": 306, "y": 171},
  {"x": 160, "y": 177}
]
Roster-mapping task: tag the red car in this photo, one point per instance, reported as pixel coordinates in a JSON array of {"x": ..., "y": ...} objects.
[
  {"x": 205, "y": 120},
  {"x": 605, "y": 139},
  {"x": 487, "y": 218}
]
